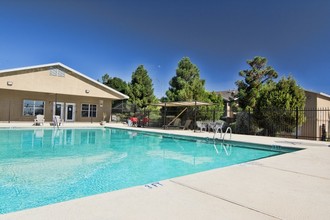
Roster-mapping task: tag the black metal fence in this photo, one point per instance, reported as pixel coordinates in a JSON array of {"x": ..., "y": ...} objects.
[{"x": 312, "y": 124}]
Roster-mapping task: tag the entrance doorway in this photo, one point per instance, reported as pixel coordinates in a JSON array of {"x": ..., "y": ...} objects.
[
  {"x": 58, "y": 109},
  {"x": 70, "y": 111}
]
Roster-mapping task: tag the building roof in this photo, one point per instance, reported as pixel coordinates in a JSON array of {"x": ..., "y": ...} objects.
[
  {"x": 119, "y": 95},
  {"x": 228, "y": 95}
]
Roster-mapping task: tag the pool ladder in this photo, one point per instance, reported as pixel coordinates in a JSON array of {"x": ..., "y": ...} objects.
[{"x": 222, "y": 135}]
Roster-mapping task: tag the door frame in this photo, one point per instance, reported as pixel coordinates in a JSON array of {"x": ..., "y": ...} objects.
[
  {"x": 62, "y": 109},
  {"x": 73, "y": 111}
]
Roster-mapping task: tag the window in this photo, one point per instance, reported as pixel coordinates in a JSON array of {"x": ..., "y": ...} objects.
[
  {"x": 56, "y": 72},
  {"x": 33, "y": 108},
  {"x": 84, "y": 110},
  {"x": 88, "y": 110}
]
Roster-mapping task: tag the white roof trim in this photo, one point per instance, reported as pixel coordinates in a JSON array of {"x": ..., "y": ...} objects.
[
  {"x": 68, "y": 68},
  {"x": 318, "y": 93},
  {"x": 324, "y": 94}
]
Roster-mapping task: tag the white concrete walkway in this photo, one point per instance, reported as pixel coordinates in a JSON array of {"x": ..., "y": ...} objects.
[{"x": 290, "y": 186}]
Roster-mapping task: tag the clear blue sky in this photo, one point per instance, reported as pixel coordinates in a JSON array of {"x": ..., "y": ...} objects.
[{"x": 114, "y": 37}]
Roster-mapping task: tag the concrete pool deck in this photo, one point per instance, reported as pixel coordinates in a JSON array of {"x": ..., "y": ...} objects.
[{"x": 289, "y": 186}]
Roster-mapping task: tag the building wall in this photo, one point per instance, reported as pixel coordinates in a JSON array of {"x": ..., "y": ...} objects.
[
  {"x": 11, "y": 105},
  {"x": 316, "y": 114},
  {"x": 323, "y": 118},
  {"x": 323, "y": 102},
  {"x": 310, "y": 100},
  {"x": 308, "y": 129}
]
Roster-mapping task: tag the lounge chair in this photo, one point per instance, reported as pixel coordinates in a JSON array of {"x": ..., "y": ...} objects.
[
  {"x": 176, "y": 124},
  {"x": 57, "y": 121},
  {"x": 201, "y": 125},
  {"x": 39, "y": 120},
  {"x": 186, "y": 125}
]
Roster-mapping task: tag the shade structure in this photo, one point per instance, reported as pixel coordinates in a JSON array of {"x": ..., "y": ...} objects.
[{"x": 182, "y": 104}]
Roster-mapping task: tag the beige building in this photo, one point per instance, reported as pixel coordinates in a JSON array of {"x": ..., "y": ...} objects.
[
  {"x": 54, "y": 89},
  {"x": 317, "y": 116}
]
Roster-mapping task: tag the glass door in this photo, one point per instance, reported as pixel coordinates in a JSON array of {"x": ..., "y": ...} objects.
[
  {"x": 70, "y": 111},
  {"x": 58, "y": 109}
]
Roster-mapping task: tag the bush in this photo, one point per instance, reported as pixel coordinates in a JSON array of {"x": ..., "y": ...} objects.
[{"x": 245, "y": 124}]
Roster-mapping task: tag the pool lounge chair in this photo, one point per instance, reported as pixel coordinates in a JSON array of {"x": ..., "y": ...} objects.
[
  {"x": 186, "y": 125},
  {"x": 176, "y": 124},
  {"x": 39, "y": 120}
]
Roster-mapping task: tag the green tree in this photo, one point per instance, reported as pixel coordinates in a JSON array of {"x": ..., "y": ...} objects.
[
  {"x": 216, "y": 110},
  {"x": 254, "y": 78},
  {"x": 115, "y": 83},
  {"x": 119, "y": 85},
  {"x": 187, "y": 84},
  {"x": 275, "y": 108},
  {"x": 141, "y": 90}
]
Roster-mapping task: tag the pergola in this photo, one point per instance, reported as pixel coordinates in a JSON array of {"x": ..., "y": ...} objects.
[{"x": 180, "y": 104}]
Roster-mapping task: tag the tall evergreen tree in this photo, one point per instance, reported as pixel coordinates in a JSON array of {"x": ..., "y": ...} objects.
[
  {"x": 254, "y": 78},
  {"x": 141, "y": 90},
  {"x": 187, "y": 84}
]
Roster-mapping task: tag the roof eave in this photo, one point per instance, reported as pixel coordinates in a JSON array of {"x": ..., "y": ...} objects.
[{"x": 121, "y": 95}]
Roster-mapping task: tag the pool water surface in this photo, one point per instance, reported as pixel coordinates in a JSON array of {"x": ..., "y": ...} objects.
[{"x": 45, "y": 166}]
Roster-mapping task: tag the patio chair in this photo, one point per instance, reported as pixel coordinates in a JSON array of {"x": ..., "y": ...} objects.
[
  {"x": 57, "y": 121},
  {"x": 218, "y": 125},
  {"x": 133, "y": 121},
  {"x": 129, "y": 123},
  {"x": 215, "y": 126},
  {"x": 39, "y": 120},
  {"x": 201, "y": 125},
  {"x": 186, "y": 125}
]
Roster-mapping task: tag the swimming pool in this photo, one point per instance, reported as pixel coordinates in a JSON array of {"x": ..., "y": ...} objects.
[{"x": 45, "y": 166}]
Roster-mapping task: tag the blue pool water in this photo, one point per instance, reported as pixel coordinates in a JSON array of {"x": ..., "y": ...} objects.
[{"x": 45, "y": 166}]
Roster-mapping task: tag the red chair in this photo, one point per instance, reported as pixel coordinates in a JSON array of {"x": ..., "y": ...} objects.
[
  {"x": 134, "y": 120},
  {"x": 145, "y": 120}
]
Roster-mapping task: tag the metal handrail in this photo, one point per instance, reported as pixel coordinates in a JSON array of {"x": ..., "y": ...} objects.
[{"x": 228, "y": 129}]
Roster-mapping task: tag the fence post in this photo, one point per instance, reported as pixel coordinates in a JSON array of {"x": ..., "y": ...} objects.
[
  {"x": 122, "y": 106},
  {"x": 164, "y": 116},
  {"x": 249, "y": 121},
  {"x": 214, "y": 115},
  {"x": 195, "y": 117},
  {"x": 297, "y": 122}
]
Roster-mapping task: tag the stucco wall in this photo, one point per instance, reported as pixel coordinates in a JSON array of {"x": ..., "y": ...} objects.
[
  {"x": 11, "y": 105},
  {"x": 323, "y": 104},
  {"x": 316, "y": 114}
]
